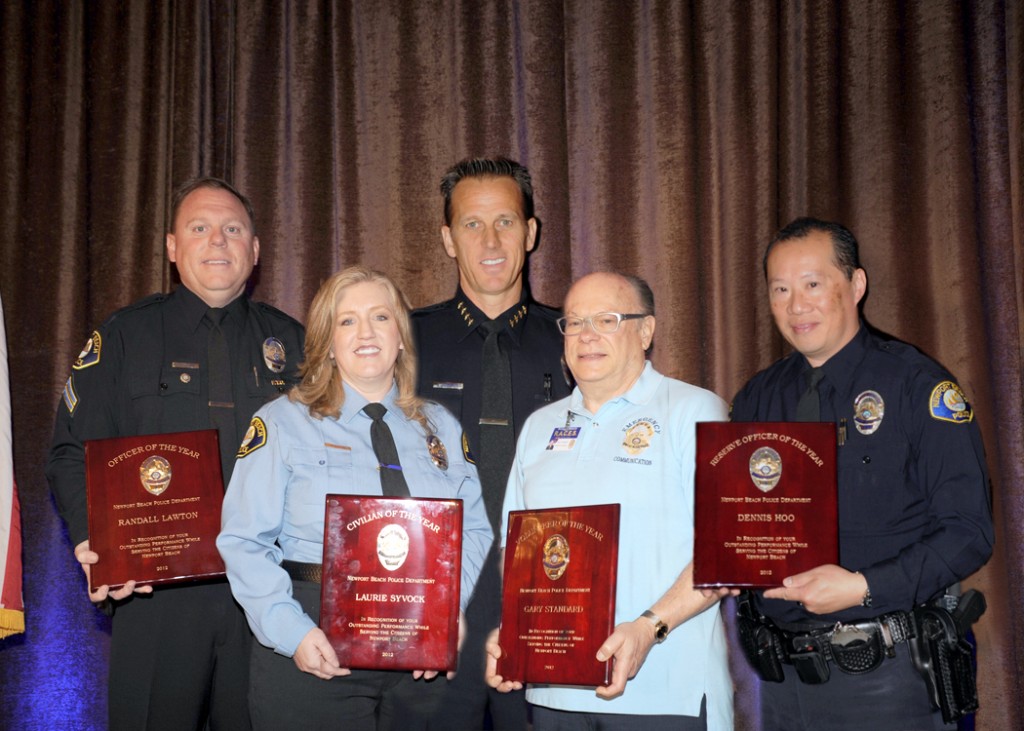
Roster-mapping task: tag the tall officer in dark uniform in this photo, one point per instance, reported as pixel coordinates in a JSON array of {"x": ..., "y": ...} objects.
[
  {"x": 203, "y": 356},
  {"x": 492, "y": 356},
  {"x": 914, "y": 515}
]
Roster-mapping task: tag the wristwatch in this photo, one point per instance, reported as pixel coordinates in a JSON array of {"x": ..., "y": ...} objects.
[
  {"x": 660, "y": 628},
  {"x": 866, "y": 599}
]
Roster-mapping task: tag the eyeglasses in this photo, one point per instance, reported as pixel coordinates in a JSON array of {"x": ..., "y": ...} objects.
[{"x": 603, "y": 322}]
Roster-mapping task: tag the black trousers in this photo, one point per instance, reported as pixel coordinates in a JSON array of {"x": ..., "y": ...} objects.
[
  {"x": 179, "y": 660},
  {"x": 892, "y": 697},
  {"x": 281, "y": 696}
]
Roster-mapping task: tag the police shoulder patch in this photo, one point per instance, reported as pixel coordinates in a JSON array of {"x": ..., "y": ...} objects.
[
  {"x": 255, "y": 437},
  {"x": 90, "y": 354},
  {"x": 948, "y": 403},
  {"x": 466, "y": 451}
]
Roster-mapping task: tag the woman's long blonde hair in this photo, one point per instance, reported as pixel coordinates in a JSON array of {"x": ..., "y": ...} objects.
[{"x": 321, "y": 386}]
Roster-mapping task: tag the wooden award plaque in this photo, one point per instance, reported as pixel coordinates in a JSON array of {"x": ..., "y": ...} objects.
[
  {"x": 391, "y": 578},
  {"x": 766, "y": 502},
  {"x": 154, "y": 508},
  {"x": 558, "y": 594}
]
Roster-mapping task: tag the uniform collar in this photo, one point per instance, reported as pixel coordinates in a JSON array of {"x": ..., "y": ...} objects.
[
  {"x": 472, "y": 316},
  {"x": 841, "y": 368},
  {"x": 640, "y": 393},
  {"x": 355, "y": 401},
  {"x": 193, "y": 309}
]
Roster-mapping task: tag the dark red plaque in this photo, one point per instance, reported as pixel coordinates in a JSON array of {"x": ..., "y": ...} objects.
[
  {"x": 392, "y": 570},
  {"x": 154, "y": 507},
  {"x": 558, "y": 595},
  {"x": 765, "y": 502}
]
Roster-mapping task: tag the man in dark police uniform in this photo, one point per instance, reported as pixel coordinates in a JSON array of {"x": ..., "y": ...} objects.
[
  {"x": 914, "y": 514},
  {"x": 491, "y": 355},
  {"x": 203, "y": 356}
]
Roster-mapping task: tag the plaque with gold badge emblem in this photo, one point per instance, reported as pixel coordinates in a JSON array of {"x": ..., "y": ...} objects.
[
  {"x": 558, "y": 594},
  {"x": 765, "y": 502},
  {"x": 154, "y": 508}
]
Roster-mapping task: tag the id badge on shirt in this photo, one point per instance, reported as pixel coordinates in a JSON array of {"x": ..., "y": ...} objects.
[{"x": 563, "y": 438}]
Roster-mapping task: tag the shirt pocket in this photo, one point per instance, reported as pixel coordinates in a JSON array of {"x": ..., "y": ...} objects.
[
  {"x": 316, "y": 472},
  {"x": 877, "y": 495},
  {"x": 426, "y": 479},
  {"x": 449, "y": 395},
  {"x": 173, "y": 380}
]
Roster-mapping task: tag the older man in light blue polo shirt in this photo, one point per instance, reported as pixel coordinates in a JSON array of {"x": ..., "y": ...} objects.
[{"x": 632, "y": 433}]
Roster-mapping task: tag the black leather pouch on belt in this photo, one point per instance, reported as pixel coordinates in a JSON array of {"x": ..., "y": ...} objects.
[{"x": 857, "y": 649}]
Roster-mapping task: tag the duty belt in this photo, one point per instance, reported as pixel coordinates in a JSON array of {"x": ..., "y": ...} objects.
[
  {"x": 300, "y": 571},
  {"x": 853, "y": 647}
]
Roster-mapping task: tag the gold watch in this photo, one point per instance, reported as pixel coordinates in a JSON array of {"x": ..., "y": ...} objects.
[{"x": 660, "y": 628}]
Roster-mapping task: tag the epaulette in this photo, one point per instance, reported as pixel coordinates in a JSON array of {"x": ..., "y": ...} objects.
[
  {"x": 436, "y": 307},
  {"x": 272, "y": 311},
  {"x": 548, "y": 313},
  {"x": 145, "y": 302}
]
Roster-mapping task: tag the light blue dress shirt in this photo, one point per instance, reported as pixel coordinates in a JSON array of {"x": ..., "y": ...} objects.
[
  {"x": 274, "y": 505},
  {"x": 638, "y": 450}
]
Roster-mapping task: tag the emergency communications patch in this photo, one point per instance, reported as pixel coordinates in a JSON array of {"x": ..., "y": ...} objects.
[
  {"x": 90, "y": 354},
  {"x": 255, "y": 437},
  {"x": 70, "y": 397},
  {"x": 638, "y": 435},
  {"x": 868, "y": 410},
  {"x": 948, "y": 403},
  {"x": 465, "y": 450}
]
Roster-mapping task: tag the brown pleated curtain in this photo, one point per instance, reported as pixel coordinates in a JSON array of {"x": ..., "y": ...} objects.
[{"x": 666, "y": 139}]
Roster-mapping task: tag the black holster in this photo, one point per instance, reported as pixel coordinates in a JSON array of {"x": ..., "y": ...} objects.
[
  {"x": 942, "y": 654},
  {"x": 761, "y": 646}
]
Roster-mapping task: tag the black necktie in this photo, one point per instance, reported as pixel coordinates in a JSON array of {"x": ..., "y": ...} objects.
[
  {"x": 392, "y": 481},
  {"x": 497, "y": 436},
  {"x": 808, "y": 408},
  {"x": 221, "y": 400}
]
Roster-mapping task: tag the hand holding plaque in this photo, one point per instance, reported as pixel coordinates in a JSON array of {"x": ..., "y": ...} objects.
[
  {"x": 765, "y": 502},
  {"x": 154, "y": 508},
  {"x": 558, "y": 594}
]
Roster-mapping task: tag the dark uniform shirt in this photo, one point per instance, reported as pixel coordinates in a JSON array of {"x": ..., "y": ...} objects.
[
  {"x": 145, "y": 372},
  {"x": 450, "y": 345},
  {"x": 914, "y": 513}
]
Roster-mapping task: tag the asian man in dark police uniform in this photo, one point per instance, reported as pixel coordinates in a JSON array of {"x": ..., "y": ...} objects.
[
  {"x": 203, "y": 356},
  {"x": 492, "y": 355},
  {"x": 835, "y": 645}
]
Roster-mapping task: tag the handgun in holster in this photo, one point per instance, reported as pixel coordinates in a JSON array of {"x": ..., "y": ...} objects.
[
  {"x": 760, "y": 643},
  {"x": 942, "y": 654}
]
